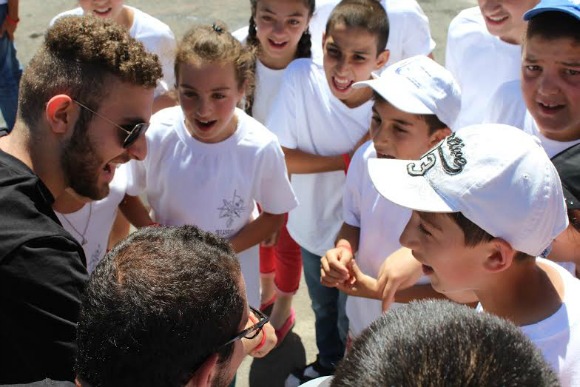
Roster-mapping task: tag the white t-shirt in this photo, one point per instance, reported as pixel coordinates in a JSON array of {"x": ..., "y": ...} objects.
[
  {"x": 97, "y": 218},
  {"x": 157, "y": 38},
  {"x": 323, "y": 381},
  {"x": 381, "y": 223},
  {"x": 508, "y": 107},
  {"x": 480, "y": 62},
  {"x": 409, "y": 32},
  {"x": 214, "y": 186},
  {"x": 558, "y": 336},
  {"x": 306, "y": 116},
  {"x": 268, "y": 83}
]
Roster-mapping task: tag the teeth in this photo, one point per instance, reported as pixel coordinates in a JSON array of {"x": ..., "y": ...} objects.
[
  {"x": 550, "y": 106},
  {"x": 497, "y": 18}
]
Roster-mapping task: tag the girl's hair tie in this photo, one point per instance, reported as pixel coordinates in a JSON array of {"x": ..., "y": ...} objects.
[{"x": 217, "y": 28}]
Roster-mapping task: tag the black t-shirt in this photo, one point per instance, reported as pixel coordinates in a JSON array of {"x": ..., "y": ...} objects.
[{"x": 42, "y": 276}]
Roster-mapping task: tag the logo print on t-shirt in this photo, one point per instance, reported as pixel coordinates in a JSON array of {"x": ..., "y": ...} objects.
[{"x": 232, "y": 209}]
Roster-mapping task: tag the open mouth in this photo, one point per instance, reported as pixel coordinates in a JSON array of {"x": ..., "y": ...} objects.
[
  {"x": 341, "y": 84},
  {"x": 384, "y": 156},
  {"x": 109, "y": 170},
  {"x": 102, "y": 12},
  {"x": 496, "y": 20},
  {"x": 549, "y": 108},
  {"x": 277, "y": 45},
  {"x": 205, "y": 125},
  {"x": 427, "y": 270}
]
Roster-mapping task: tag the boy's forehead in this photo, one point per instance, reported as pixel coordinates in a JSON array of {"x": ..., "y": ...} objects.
[
  {"x": 535, "y": 48},
  {"x": 361, "y": 39}
]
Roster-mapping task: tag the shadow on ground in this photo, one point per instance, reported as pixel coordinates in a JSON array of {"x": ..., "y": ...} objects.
[{"x": 272, "y": 370}]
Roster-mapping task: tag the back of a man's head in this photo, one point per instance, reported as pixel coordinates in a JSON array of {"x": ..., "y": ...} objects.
[
  {"x": 79, "y": 57},
  {"x": 439, "y": 343},
  {"x": 157, "y": 306}
]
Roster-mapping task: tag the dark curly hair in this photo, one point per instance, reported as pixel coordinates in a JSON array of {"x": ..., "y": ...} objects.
[
  {"x": 157, "y": 306},
  {"x": 82, "y": 56}
]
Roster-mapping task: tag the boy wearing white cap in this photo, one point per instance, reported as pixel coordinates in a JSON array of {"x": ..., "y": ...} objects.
[
  {"x": 546, "y": 101},
  {"x": 415, "y": 102},
  {"x": 486, "y": 202}
]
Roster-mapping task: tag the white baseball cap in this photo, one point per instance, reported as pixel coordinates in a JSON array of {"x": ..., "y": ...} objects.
[
  {"x": 419, "y": 85},
  {"x": 496, "y": 175}
]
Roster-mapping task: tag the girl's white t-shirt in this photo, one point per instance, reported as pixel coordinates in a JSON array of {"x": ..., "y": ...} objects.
[{"x": 214, "y": 186}]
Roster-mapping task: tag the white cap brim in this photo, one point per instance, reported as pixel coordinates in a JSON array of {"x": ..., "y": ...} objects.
[
  {"x": 391, "y": 180},
  {"x": 398, "y": 92}
]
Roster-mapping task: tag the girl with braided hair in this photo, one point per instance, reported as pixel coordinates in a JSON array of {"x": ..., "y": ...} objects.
[{"x": 278, "y": 31}]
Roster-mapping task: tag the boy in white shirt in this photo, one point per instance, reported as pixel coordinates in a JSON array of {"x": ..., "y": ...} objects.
[
  {"x": 409, "y": 32},
  {"x": 320, "y": 121},
  {"x": 483, "y": 51},
  {"x": 486, "y": 202},
  {"x": 416, "y": 100},
  {"x": 546, "y": 102}
]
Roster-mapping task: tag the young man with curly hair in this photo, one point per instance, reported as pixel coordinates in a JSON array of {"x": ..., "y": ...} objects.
[{"x": 85, "y": 99}]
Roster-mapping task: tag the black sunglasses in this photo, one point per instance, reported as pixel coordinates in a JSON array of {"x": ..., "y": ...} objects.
[
  {"x": 133, "y": 131},
  {"x": 251, "y": 332}
]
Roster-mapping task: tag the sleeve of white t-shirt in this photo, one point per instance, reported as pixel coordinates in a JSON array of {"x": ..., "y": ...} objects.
[
  {"x": 241, "y": 34},
  {"x": 168, "y": 48},
  {"x": 283, "y": 113},
  {"x": 136, "y": 177},
  {"x": 451, "y": 49},
  {"x": 507, "y": 106},
  {"x": 417, "y": 36},
  {"x": 274, "y": 192},
  {"x": 351, "y": 199}
]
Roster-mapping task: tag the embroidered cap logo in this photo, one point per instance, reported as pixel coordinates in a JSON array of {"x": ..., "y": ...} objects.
[{"x": 448, "y": 152}]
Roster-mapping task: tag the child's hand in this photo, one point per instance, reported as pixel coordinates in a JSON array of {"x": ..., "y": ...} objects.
[
  {"x": 271, "y": 240},
  {"x": 362, "y": 285},
  {"x": 269, "y": 344},
  {"x": 334, "y": 266},
  {"x": 399, "y": 271}
]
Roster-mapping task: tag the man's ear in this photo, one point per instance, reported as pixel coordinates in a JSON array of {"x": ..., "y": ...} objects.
[
  {"x": 382, "y": 59},
  {"x": 439, "y": 135},
  {"x": 501, "y": 255},
  {"x": 61, "y": 113},
  {"x": 205, "y": 373}
]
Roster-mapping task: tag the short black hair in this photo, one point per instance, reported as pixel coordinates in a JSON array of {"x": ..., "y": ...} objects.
[
  {"x": 366, "y": 14},
  {"x": 474, "y": 235},
  {"x": 553, "y": 25},
  {"x": 440, "y": 343},
  {"x": 157, "y": 306}
]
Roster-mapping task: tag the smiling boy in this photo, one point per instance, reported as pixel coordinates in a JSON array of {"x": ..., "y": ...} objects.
[
  {"x": 483, "y": 51},
  {"x": 320, "y": 120},
  {"x": 415, "y": 102},
  {"x": 486, "y": 202}
]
